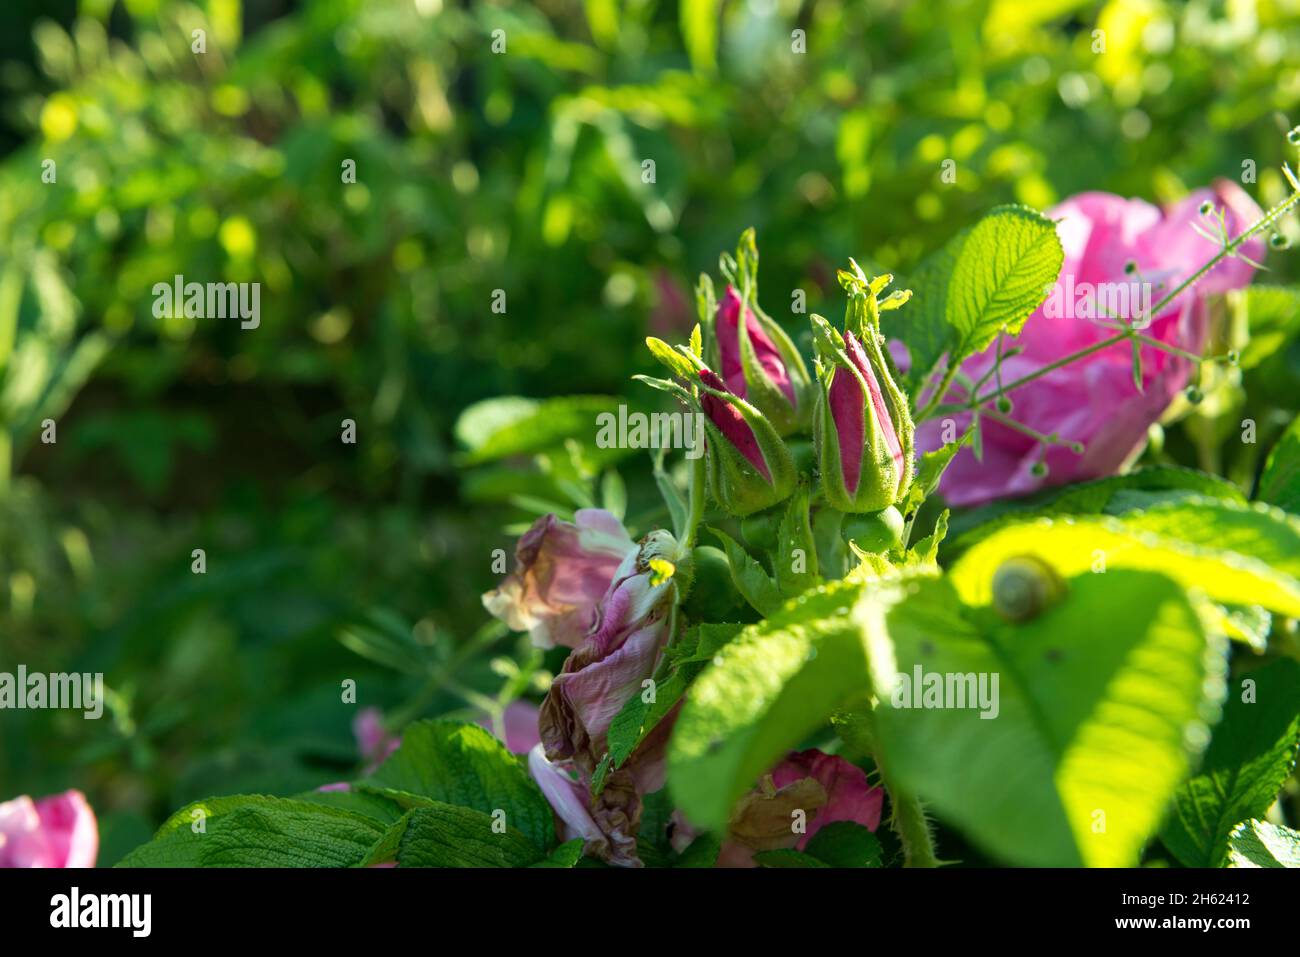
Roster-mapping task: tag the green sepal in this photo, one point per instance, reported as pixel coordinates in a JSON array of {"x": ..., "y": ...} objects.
[{"x": 736, "y": 485}]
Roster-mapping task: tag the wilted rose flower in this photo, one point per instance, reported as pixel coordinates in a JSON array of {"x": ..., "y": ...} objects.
[
  {"x": 562, "y": 570},
  {"x": 760, "y": 363},
  {"x": 57, "y": 831},
  {"x": 825, "y": 787},
  {"x": 600, "y": 676},
  {"x": 1094, "y": 400}
]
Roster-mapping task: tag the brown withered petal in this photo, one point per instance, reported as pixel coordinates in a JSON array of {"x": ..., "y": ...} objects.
[
  {"x": 617, "y": 810},
  {"x": 762, "y": 819}
]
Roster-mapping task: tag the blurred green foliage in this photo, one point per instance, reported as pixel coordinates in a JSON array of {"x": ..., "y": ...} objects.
[{"x": 476, "y": 171}]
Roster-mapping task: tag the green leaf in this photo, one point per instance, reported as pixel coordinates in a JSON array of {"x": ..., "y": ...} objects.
[
  {"x": 796, "y": 550},
  {"x": 638, "y": 717},
  {"x": 602, "y": 20},
  {"x": 613, "y": 494},
  {"x": 786, "y": 857},
  {"x": 1096, "y": 703},
  {"x": 566, "y": 855},
  {"x": 1272, "y": 313},
  {"x": 928, "y": 473},
  {"x": 1249, "y": 758},
  {"x": 986, "y": 280},
  {"x": 258, "y": 831},
  {"x": 750, "y": 579},
  {"x": 677, "y": 507},
  {"x": 376, "y": 806},
  {"x": 1261, "y": 844},
  {"x": 1006, "y": 265},
  {"x": 1279, "y": 484},
  {"x": 677, "y": 363},
  {"x": 1259, "y": 531},
  {"x": 445, "y": 835},
  {"x": 463, "y": 764},
  {"x": 702, "y": 852},
  {"x": 845, "y": 844},
  {"x": 699, "y": 22},
  {"x": 1075, "y": 545},
  {"x": 1088, "y": 498},
  {"x": 762, "y": 694},
  {"x": 513, "y": 425}
]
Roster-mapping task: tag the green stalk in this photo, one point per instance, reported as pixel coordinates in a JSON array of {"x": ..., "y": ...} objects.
[
  {"x": 697, "y": 500},
  {"x": 911, "y": 826},
  {"x": 908, "y": 819}
]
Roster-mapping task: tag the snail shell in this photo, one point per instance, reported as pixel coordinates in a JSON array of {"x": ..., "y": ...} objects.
[{"x": 1024, "y": 587}]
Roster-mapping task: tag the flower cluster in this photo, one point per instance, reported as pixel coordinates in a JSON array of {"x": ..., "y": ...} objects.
[{"x": 784, "y": 442}]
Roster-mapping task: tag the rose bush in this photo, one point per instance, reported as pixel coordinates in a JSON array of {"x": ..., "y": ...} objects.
[{"x": 844, "y": 650}]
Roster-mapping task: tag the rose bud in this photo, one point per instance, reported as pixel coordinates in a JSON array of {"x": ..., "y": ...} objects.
[
  {"x": 760, "y": 363},
  {"x": 562, "y": 569},
  {"x": 750, "y": 468},
  {"x": 862, "y": 428}
]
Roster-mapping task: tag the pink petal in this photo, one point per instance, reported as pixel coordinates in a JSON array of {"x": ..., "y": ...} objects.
[
  {"x": 769, "y": 358},
  {"x": 520, "y": 721},
  {"x": 732, "y": 424},
  {"x": 57, "y": 831},
  {"x": 567, "y": 797}
]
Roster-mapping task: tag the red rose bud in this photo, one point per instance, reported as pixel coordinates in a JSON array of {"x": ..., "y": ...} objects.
[
  {"x": 862, "y": 428},
  {"x": 760, "y": 363},
  {"x": 750, "y": 468}
]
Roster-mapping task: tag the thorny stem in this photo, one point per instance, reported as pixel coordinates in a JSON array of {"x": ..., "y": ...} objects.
[
  {"x": 908, "y": 818},
  {"x": 940, "y": 392},
  {"x": 1229, "y": 248},
  {"x": 1040, "y": 437}
]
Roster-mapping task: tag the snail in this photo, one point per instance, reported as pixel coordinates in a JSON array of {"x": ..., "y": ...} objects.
[{"x": 1024, "y": 587}]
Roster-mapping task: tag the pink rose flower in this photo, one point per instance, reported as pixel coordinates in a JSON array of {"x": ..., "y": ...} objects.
[
  {"x": 1093, "y": 400},
  {"x": 827, "y": 788},
  {"x": 520, "y": 726},
  {"x": 562, "y": 569},
  {"x": 56, "y": 831},
  {"x": 374, "y": 742}
]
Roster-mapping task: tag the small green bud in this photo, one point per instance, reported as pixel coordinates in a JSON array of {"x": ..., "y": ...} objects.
[{"x": 876, "y": 531}]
